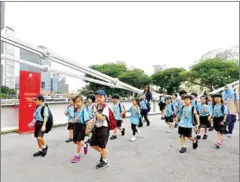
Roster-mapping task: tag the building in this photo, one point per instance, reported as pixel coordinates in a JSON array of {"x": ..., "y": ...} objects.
[
  {"x": 160, "y": 67},
  {"x": 35, "y": 58},
  {"x": 59, "y": 84},
  {"x": 2, "y": 21},
  {"x": 8, "y": 66},
  {"x": 17, "y": 82}
]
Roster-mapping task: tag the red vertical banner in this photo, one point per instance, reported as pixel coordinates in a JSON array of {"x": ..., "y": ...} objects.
[{"x": 29, "y": 88}]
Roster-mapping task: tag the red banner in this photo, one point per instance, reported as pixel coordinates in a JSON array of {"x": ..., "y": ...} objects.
[{"x": 29, "y": 87}]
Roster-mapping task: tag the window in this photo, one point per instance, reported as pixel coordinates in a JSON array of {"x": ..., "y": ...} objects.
[{"x": 43, "y": 85}]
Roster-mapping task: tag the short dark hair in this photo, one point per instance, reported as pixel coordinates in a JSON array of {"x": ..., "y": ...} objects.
[
  {"x": 188, "y": 97},
  {"x": 181, "y": 92},
  {"x": 194, "y": 93},
  {"x": 217, "y": 95},
  {"x": 168, "y": 98},
  {"x": 175, "y": 94},
  {"x": 115, "y": 96}
]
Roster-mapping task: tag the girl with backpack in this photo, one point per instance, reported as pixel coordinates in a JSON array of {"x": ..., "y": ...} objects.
[
  {"x": 69, "y": 112},
  {"x": 81, "y": 117},
  {"x": 144, "y": 109},
  {"x": 219, "y": 115},
  {"x": 169, "y": 113},
  {"x": 210, "y": 104},
  {"x": 134, "y": 118},
  {"x": 204, "y": 113}
]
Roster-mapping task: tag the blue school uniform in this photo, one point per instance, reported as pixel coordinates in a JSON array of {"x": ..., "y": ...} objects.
[
  {"x": 70, "y": 113},
  {"x": 82, "y": 116},
  {"x": 228, "y": 95},
  {"x": 143, "y": 104},
  {"x": 169, "y": 110},
  {"x": 117, "y": 109},
  {"x": 204, "y": 110},
  {"x": 195, "y": 104},
  {"x": 180, "y": 105},
  {"x": 217, "y": 111},
  {"x": 162, "y": 99},
  {"x": 90, "y": 110},
  {"x": 37, "y": 114},
  {"x": 186, "y": 116},
  {"x": 135, "y": 115}
]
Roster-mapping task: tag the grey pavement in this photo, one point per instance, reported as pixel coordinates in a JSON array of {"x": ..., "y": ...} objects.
[{"x": 154, "y": 158}]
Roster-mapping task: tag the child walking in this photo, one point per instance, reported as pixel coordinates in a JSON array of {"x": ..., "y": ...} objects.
[
  {"x": 81, "y": 117},
  {"x": 118, "y": 110},
  {"x": 169, "y": 113},
  {"x": 39, "y": 124},
  {"x": 134, "y": 118},
  {"x": 100, "y": 132},
  {"x": 144, "y": 109},
  {"x": 219, "y": 115},
  {"x": 69, "y": 112},
  {"x": 210, "y": 104},
  {"x": 204, "y": 113},
  {"x": 179, "y": 105},
  {"x": 187, "y": 115}
]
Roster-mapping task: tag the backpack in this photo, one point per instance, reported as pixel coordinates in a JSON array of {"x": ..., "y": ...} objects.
[
  {"x": 222, "y": 110},
  {"x": 112, "y": 122},
  {"x": 120, "y": 107},
  {"x": 194, "y": 119},
  {"x": 49, "y": 123}
]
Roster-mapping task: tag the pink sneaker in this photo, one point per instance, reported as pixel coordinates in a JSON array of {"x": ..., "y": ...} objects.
[
  {"x": 218, "y": 144},
  {"x": 86, "y": 149},
  {"x": 75, "y": 159}
]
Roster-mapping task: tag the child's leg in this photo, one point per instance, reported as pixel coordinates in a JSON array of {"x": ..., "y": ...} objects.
[
  {"x": 134, "y": 129},
  {"x": 183, "y": 141},
  {"x": 70, "y": 134},
  {"x": 205, "y": 131},
  {"x": 79, "y": 145},
  {"x": 41, "y": 142},
  {"x": 146, "y": 118},
  {"x": 219, "y": 137}
]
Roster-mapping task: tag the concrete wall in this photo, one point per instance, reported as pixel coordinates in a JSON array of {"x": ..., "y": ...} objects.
[{"x": 9, "y": 114}]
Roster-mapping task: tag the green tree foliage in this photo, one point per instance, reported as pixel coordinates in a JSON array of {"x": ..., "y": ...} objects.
[
  {"x": 168, "y": 79},
  {"x": 135, "y": 77},
  {"x": 212, "y": 73}
]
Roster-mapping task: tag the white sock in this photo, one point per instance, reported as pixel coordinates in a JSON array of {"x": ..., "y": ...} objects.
[
  {"x": 44, "y": 147},
  {"x": 84, "y": 145},
  {"x": 77, "y": 154},
  {"x": 105, "y": 160},
  {"x": 184, "y": 146}
]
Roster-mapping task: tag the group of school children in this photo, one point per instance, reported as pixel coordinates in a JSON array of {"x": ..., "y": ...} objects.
[
  {"x": 190, "y": 114},
  {"x": 89, "y": 123}
]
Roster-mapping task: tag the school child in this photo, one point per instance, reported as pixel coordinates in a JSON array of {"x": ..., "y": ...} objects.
[
  {"x": 144, "y": 109},
  {"x": 69, "y": 112},
  {"x": 169, "y": 113},
  {"x": 100, "y": 132},
  {"x": 188, "y": 114},
  {"x": 175, "y": 100},
  {"x": 210, "y": 104},
  {"x": 204, "y": 113},
  {"x": 81, "y": 117},
  {"x": 179, "y": 105},
  {"x": 219, "y": 115},
  {"x": 39, "y": 124},
  {"x": 90, "y": 104},
  {"x": 162, "y": 104},
  {"x": 194, "y": 100},
  {"x": 134, "y": 118},
  {"x": 118, "y": 110}
]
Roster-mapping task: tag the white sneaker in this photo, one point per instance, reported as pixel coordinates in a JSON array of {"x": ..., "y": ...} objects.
[
  {"x": 229, "y": 135},
  {"x": 133, "y": 139},
  {"x": 169, "y": 131},
  {"x": 138, "y": 133}
]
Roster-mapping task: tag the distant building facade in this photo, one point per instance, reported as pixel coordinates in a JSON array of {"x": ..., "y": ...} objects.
[
  {"x": 59, "y": 84},
  {"x": 160, "y": 67}
]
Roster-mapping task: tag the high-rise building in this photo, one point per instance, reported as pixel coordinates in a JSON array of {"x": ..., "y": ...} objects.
[
  {"x": 35, "y": 58},
  {"x": 159, "y": 67},
  {"x": 59, "y": 84},
  {"x": 2, "y": 15},
  {"x": 8, "y": 78}
]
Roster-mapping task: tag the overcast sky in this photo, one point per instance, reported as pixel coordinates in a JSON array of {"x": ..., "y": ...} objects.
[{"x": 140, "y": 34}]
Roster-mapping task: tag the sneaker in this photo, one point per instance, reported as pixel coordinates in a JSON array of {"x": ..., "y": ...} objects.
[
  {"x": 229, "y": 135},
  {"x": 133, "y": 139},
  {"x": 102, "y": 165},
  {"x": 210, "y": 128},
  {"x": 148, "y": 124},
  {"x": 39, "y": 153},
  {"x": 204, "y": 137},
  {"x": 75, "y": 159},
  {"x": 169, "y": 131},
  {"x": 69, "y": 140},
  {"x": 99, "y": 160},
  {"x": 113, "y": 137},
  {"x": 218, "y": 144},
  {"x": 183, "y": 150},
  {"x": 123, "y": 131},
  {"x": 44, "y": 151},
  {"x": 195, "y": 145},
  {"x": 138, "y": 133},
  {"x": 162, "y": 118},
  {"x": 86, "y": 149},
  {"x": 198, "y": 137}
]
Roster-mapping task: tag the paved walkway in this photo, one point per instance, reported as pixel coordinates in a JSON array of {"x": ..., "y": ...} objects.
[{"x": 155, "y": 158}]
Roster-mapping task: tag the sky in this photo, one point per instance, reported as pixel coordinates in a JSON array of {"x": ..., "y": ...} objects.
[{"x": 140, "y": 34}]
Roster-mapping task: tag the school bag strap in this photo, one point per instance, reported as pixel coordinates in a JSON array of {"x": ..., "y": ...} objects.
[{"x": 112, "y": 122}]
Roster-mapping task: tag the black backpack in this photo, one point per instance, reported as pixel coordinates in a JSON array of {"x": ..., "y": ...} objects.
[
  {"x": 49, "y": 123},
  {"x": 194, "y": 119}
]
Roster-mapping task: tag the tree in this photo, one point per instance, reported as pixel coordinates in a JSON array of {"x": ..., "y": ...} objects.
[
  {"x": 168, "y": 79},
  {"x": 212, "y": 73},
  {"x": 135, "y": 77},
  {"x": 4, "y": 89}
]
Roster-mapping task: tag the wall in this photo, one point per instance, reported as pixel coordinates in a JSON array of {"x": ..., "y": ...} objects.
[{"x": 9, "y": 114}]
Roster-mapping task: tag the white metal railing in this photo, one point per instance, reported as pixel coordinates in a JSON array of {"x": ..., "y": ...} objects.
[{"x": 233, "y": 85}]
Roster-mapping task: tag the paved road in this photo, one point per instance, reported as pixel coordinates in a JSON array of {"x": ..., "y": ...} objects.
[{"x": 155, "y": 158}]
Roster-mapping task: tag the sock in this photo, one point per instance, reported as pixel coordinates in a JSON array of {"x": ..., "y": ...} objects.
[
  {"x": 44, "y": 147},
  {"x": 184, "y": 146},
  {"x": 84, "y": 145},
  {"x": 105, "y": 160},
  {"x": 78, "y": 154}
]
